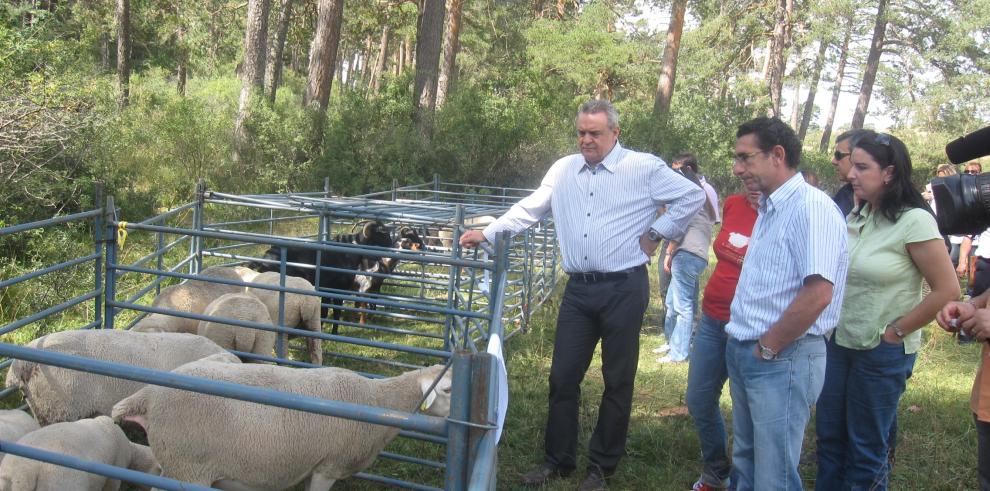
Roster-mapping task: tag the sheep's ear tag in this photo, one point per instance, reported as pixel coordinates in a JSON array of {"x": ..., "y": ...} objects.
[{"x": 430, "y": 397}]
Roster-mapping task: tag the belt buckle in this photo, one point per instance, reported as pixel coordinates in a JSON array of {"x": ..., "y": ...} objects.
[{"x": 588, "y": 277}]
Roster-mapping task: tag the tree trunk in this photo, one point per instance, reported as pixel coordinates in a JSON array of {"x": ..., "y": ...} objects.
[
  {"x": 668, "y": 67},
  {"x": 429, "y": 35},
  {"x": 323, "y": 56},
  {"x": 409, "y": 53},
  {"x": 104, "y": 45},
  {"x": 253, "y": 71},
  {"x": 837, "y": 89},
  {"x": 809, "y": 104},
  {"x": 780, "y": 41},
  {"x": 123, "y": 21},
  {"x": 379, "y": 69},
  {"x": 795, "y": 105},
  {"x": 451, "y": 45},
  {"x": 180, "y": 75},
  {"x": 273, "y": 68},
  {"x": 872, "y": 64}
]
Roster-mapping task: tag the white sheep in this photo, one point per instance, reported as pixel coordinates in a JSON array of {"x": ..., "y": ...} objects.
[
  {"x": 241, "y": 307},
  {"x": 57, "y": 394},
  {"x": 96, "y": 440},
  {"x": 14, "y": 424},
  {"x": 192, "y": 296},
  {"x": 215, "y": 441},
  {"x": 300, "y": 310}
]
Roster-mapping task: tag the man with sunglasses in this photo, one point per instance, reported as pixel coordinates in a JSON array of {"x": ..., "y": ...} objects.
[
  {"x": 788, "y": 297},
  {"x": 974, "y": 168},
  {"x": 840, "y": 160}
]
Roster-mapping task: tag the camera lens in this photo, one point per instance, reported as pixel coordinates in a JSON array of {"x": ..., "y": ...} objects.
[{"x": 963, "y": 203}]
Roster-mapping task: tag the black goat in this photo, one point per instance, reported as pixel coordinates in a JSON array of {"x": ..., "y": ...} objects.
[
  {"x": 372, "y": 234},
  {"x": 406, "y": 238}
]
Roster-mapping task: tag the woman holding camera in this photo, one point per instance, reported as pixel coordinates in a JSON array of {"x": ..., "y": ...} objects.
[{"x": 894, "y": 243}]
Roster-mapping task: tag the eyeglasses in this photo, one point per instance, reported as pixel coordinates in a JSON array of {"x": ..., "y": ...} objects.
[
  {"x": 971, "y": 171},
  {"x": 740, "y": 158},
  {"x": 841, "y": 155}
]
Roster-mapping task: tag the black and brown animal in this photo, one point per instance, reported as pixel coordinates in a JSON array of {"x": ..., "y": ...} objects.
[
  {"x": 406, "y": 238},
  {"x": 371, "y": 234}
]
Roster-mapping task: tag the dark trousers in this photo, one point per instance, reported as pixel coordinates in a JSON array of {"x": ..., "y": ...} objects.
[
  {"x": 610, "y": 311},
  {"x": 983, "y": 453},
  {"x": 982, "y": 280}
]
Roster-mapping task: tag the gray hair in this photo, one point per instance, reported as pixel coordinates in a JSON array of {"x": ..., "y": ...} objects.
[{"x": 600, "y": 106}]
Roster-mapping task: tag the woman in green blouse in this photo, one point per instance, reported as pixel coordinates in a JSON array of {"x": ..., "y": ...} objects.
[{"x": 894, "y": 243}]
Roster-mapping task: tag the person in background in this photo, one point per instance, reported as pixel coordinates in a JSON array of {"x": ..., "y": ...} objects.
[
  {"x": 973, "y": 317},
  {"x": 894, "y": 244},
  {"x": 685, "y": 261},
  {"x": 707, "y": 372},
  {"x": 680, "y": 161},
  {"x": 973, "y": 167},
  {"x": 810, "y": 177},
  {"x": 840, "y": 160},
  {"x": 788, "y": 298},
  {"x": 604, "y": 201}
]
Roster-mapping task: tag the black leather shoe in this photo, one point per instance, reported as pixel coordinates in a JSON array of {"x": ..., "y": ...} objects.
[
  {"x": 595, "y": 480},
  {"x": 543, "y": 474}
]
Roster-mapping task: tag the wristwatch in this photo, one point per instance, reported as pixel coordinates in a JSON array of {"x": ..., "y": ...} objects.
[
  {"x": 766, "y": 353},
  {"x": 654, "y": 235}
]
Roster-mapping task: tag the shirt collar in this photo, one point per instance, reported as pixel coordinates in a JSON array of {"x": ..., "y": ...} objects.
[
  {"x": 782, "y": 194},
  {"x": 609, "y": 162}
]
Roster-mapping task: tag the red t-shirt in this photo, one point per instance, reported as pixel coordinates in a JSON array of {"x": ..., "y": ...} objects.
[{"x": 730, "y": 246}]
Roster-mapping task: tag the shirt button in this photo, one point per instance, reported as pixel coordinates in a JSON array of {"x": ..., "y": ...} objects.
[
  {"x": 592, "y": 193},
  {"x": 585, "y": 235},
  {"x": 585, "y": 257},
  {"x": 589, "y": 214}
]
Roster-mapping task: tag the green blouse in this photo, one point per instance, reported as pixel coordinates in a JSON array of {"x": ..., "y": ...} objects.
[{"x": 883, "y": 282}]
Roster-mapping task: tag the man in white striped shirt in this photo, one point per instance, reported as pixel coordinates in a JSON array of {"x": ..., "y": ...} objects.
[
  {"x": 788, "y": 297},
  {"x": 603, "y": 201}
]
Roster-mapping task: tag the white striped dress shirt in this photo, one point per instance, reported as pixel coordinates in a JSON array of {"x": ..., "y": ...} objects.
[
  {"x": 601, "y": 212},
  {"x": 799, "y": 232}
]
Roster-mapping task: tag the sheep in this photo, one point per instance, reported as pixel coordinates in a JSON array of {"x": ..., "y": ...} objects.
[
  {"x": 14, "y": 424},
  {"x": 371, "y": 234},
  {"x": 241, "y": 307},
  {"x": 215, "y": 441},
  {"x": 57, "y": 394},
  {"x": 96, "y": 440},
  {"x": 407, "y": 239},
  {"x": 191, "y": 296},
  {"x": 300, "y": 310}
]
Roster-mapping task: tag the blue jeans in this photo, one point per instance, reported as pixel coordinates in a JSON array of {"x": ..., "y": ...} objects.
[
  {"x": 771, "y": 405},
  {"x": 855, "y": 413},
  {"x": 706, "y": 377},
  {"x": 682, "y": 298}
]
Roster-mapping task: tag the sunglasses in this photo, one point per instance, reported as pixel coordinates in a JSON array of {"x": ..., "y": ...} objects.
[
  {"x": 841, "y": 155},
  {"x": 882, "y": 139},
  {"x": 971, "y": 171}
]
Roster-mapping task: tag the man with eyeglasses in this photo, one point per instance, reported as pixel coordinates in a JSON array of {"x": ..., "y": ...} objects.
[
  {"x": 788, "y": 297},
  {"x": 840, "y": 160}
]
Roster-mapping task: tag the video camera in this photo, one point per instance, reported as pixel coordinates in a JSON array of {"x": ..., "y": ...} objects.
[{"x": 963, "y": 200}]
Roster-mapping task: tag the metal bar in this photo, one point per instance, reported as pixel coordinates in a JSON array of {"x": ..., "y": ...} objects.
[
  {"x": 169, "y": 213},
  {"x": 394, "y": 483},
  {"x": 49, "y": 269},
  {"x": 412, "y": 460},
  {"x": 460, "y": 408},
  {"x": 49, "y": 311},
  {"x": 48, "y": 222},
  {"x": 368, "y": 414},
  {"x": 102, "y": 469}
]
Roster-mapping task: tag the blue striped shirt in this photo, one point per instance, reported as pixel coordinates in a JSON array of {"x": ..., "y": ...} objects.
[
  {"x": 799, "y": 233},
  {"x": 601, "y": 212}
]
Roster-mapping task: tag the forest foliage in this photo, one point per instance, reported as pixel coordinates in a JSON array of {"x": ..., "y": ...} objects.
[{"x": 521, "y": 69}]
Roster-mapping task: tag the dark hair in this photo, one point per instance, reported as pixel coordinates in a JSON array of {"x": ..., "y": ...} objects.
[
  {"x": 689, "y": 174},
  {"x": 850, "y": 134},
  {"x": 686, "y": 159},
  {"x": 889, "y": 151},
  {"x": 771, "y": 132}
]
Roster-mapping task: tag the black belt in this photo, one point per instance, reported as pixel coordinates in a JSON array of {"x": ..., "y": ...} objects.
[{"x": 597, "y": 276}]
